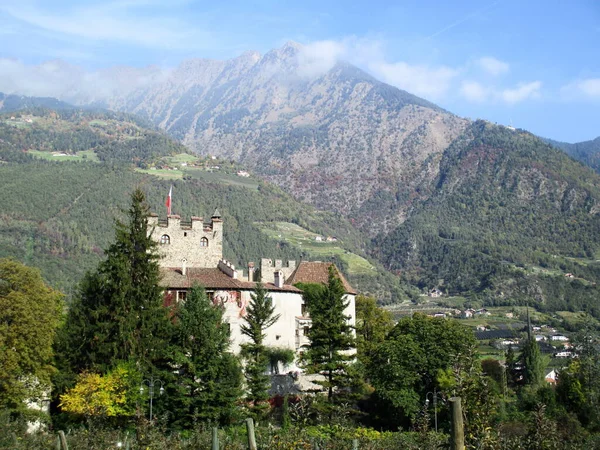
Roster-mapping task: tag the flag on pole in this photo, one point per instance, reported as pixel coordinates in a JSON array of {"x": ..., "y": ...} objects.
[{"x": 168, "y": 202}]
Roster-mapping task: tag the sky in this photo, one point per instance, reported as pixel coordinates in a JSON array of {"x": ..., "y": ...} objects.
[{"x": 534, "y": 64}]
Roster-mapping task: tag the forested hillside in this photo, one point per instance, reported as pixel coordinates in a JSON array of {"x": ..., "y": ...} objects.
[
  {"x": 58, "y": 215},
  {"x": 588, "y": 152},
  {"x": 508, "y": 218}
]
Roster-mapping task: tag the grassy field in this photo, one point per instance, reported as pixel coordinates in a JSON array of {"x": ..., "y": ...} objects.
[
  {"x": 181, "y": 158},
  {"x": 304, "y": 239},
  {"x": 163, "y": 173},
  {"x": 86, "y": 155},
  {"x": 222, "y": 178}
]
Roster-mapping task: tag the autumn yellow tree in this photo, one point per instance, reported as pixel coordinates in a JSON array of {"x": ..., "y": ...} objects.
[{"x": 101, "y": 396}]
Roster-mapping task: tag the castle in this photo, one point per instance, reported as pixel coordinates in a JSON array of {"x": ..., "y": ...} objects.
[{"x": 192, "y": 253}]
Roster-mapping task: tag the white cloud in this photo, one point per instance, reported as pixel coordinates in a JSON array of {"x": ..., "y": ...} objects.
[
  {"x": 474, "y": 91},
  {"x": 71, "y": 83},
  {"x": 523, "y": 91},
  {"x": 493, "y": 66},
  {"x": 585, "y": 89},
  {"x": 115, "y": 22},
  {"x": 319, "y": 57},
  {"x": 432, "y": 82},
  {"x": 429, "y": 82}
]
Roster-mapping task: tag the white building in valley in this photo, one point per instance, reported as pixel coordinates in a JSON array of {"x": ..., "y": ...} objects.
[{"x": 192, "y": 253}]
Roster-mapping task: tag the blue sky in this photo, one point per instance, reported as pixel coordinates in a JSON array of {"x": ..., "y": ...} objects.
[{"x": 535, "y": 63}]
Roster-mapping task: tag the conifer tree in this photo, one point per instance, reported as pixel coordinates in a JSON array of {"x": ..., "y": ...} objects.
[
  {"x": 533, "y": 364},
  {"x": 260, "y": 316},
  {"x": 118, "y": 314},
  {"x": 208, "y": 378},
  {"x": 330, "y": 336}
]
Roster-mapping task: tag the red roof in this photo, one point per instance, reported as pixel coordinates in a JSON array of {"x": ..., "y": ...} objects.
[
  {"x": 317, "y": 272},
  {"x": 172, "y": 278}
]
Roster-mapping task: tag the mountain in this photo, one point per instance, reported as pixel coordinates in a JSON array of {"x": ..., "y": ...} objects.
[
  {"x": 508, "y": 219},
  {"x": 588, "y": 152},
  {"x": 478, "y": 210},
  {"x": 338, "y": 139},
  {"x": 66, "y": 175}
]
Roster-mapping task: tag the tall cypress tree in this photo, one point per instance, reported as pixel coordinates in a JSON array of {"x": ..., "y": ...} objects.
[
  {"x": 260, "y": 316},
  {"x": 208, "y": 380},
  {"x": 330, "y": 335},
  {"x": 118, "y": 314}
]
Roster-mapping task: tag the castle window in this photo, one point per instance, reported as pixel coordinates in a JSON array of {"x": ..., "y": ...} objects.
[
  {"x": 165, "y": 239},
  {"x": 203, "y": 242},
  {"x": 185, "y": 234}
]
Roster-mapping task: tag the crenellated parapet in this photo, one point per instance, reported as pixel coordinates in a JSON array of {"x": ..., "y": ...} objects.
[
  {"x": 199, "y": 243},
  {"x": 268, "y": 267}
]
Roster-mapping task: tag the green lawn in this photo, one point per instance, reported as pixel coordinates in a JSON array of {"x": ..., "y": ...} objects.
[
  {"x": 85, "y": 155},
  {"x": 181, "y": 158},
  {"x": 305, "y": 239},
  {"x": 222, "y": 178},
  {"x": 163, "y": 173}
]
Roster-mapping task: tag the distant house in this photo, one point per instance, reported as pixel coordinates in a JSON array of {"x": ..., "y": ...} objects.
[
  {"x": 509, "y": 315},
  {"x": 540, "y": 337},
  {"x": 551, "y": 377},
  {"x": 563, "y": 355},
  {"x": 482, "y": 312},
  {"x": 559, "y": 337},
  {"x": 319, "y": 238},
  {"x": 569, "y": 275},
  {"x": 481, "y": 328},
  {"x": 467, "y": 313},
  {"x": 440, "y": 314},
  {"x": 435, "y": 293},
  {"x": 331, "y": 239},
  {"x": 243, "y": 173}
]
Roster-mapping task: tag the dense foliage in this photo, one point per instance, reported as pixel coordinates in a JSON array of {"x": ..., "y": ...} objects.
[
  {"x": 508, "y": 218},
  {"x": 30, "y": 312}
]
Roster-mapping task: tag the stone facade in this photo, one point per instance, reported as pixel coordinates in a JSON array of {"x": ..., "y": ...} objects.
[
  {"x": 268, "y": 267},
  {"x": 199, "y": 244}
]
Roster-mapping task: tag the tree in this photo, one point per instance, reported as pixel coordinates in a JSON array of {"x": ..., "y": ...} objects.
[
  {"x": 534, "y": 364},
  {"x": 331, "y": 338},
  {"x": 260, "y": 316},
  {"x": 97, "y": 396},
  {"x": 208, "y": 380},
  {"x": 372, "y": 326},
  {"x": 408, "y": 363},
  {"x": 118, "y": 313},
  {"x": 30, "y": 312}
]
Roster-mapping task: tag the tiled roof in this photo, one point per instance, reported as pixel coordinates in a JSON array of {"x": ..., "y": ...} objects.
[
  {"x": 172, "y": 278},
  {"x": 316, "y": 272}
]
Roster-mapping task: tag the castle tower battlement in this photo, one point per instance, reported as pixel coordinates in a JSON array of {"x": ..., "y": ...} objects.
[
  {"x": 268, "y": 267},
  {"x": 199, "y": 243}
]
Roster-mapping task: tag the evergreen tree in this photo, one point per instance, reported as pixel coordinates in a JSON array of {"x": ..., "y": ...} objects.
[
  {"x": 533, "y": 364},
  {"x": 118, "y": 314},
  {"x": 331, "y": 338},
  {"x": 208, "y": 378},
  {"x": 260, "y": 316}
]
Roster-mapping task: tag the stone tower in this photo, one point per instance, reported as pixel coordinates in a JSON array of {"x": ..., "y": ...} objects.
[{"x": 199, "y": 244}]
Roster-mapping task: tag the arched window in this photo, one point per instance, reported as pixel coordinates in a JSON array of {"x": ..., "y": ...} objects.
[
  {"x": 203, "y": 242},
  {"x": 165, "y": 239}
]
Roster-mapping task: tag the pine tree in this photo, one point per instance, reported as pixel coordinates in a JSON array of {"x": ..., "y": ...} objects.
[
  {"x": 533, "y": 364},
  {"x": 260, "y": 316},
  {"x": 208, "y": 378},
  {"x": 331, "y": 338},
  {"x": 118, "y": 314}
]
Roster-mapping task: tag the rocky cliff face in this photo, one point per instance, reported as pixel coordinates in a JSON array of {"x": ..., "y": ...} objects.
[{"x": 339, "y": 139}]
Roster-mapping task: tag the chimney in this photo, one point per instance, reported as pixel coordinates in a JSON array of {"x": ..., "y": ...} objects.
[
  {"x": 183, "y": 266},
  {"x": 278, "y": 276},
  {"x": 250, "y": 271}
]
